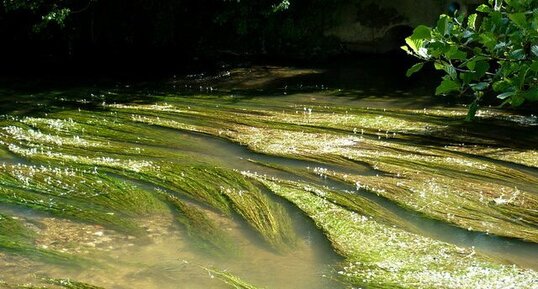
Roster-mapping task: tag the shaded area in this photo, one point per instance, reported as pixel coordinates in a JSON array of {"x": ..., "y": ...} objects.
[{"x": 124, "y": 36}]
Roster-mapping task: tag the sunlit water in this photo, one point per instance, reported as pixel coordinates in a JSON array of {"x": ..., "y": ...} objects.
[{"x": 168, "y": 259}]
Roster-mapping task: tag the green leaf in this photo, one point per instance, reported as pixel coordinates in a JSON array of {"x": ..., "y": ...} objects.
[
  {"x": 468, "y": 34},
  {"x": 534, "y": 66},
  {"x": 516, "y": 100},
  {"x": 437, "y": 49},
  {"x": 421, "y": 32},
  {"x": 438, "y": 65},
  {"x": 473, "y": 108},
  {"x": 502, "y": 85},
  {"x": 455, "y": 53},
  {"x": 488, "y": 39},
  {"x": 479, "y": 86},
  {"x": 471, "y": 64},
  {"x": 414, "y": 44},
  {"x": 467, "y": 77},
  {"x": 478, "y": 51},
  {"x": 415, "y": 68},
  {"x": 531, "y": 94},
  {"x": 534, "y": 50},
  {"x": 443, "y": 25},
  {"x": 519, "y": 19},
  {"x": 451, "y": 71},
  {"x": 497, "y": 20},
  {"x": 478, "y": 68},
  {"x": 483, "y": 8},
  {"x": 506, "y": 95},
  {"x": 471, "y": 21},
  {"x": 481, "y": 67},
  {"x": 446, "y": 86},
  {"x": 471, "y": 113},
  {"x": 517, "y": 54}
]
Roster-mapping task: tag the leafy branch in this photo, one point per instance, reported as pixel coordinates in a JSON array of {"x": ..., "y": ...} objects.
[{"x": 492, "y": 52}]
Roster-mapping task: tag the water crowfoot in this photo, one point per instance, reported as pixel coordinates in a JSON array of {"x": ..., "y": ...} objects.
[{"x": 381, "y": 256}]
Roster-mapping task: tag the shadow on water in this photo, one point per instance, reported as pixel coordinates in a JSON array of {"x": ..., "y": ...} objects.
[
  {"x": 378, "y": 78},
  {"x": 31, "y": 98},
  {"x": 375, "y": 82},
  {"x": 378, "y": 82}
]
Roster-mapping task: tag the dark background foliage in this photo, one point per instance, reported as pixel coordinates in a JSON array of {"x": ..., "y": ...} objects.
[{"x": 159, "y": 33}]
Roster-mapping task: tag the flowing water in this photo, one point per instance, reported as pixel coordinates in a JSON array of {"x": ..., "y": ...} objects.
[{"x": 175, "y": 139}]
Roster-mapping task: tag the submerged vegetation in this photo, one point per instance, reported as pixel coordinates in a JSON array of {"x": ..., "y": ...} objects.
[
  {"x": 229, "y": 279},
  {"x": 470, "y": 192},
  {"x": 132, "y": 174},
  {"x": 204, "y": 232},
  {"x": 52, "y": 284},
  {"x": 380, "y": 256}
]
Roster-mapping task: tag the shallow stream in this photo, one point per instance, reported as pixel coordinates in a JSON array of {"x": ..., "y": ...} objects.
[{"x": 150, "y": 186}]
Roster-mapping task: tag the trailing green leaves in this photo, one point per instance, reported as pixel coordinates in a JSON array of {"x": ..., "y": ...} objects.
[
  {"x": 414, "y": 69},
  {"x": 491, "y": 53},
  {"x": 446, "y": 86}
]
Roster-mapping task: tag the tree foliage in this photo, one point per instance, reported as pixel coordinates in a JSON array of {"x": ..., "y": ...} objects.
[
  {"x": 191, "y": 28},
  {"x": 57, "y": 11},
  {"x": 490, "y": 53},
  {"x": 48, "y": 12}
]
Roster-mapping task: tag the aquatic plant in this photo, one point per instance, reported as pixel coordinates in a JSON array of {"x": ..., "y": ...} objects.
[
  {"x": 411, "y": 173},
  {"x": 232, "y": 280},
  {"x": 205, "y": 233},
  {"x": 397, "y": 160},
  {"x": 347, "y": 199},
  {"x": 50, "y": 283},
  {"x": 270, "y": 219},
  {"x": 77, "y": 194},
  {"x": 381, "y": 256},
  {"x": 97, "y": 149},
  {"x": 124, "y": 163},
  {"x": 15, "y": 237},
  {"x": 71, "y": 284}
]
